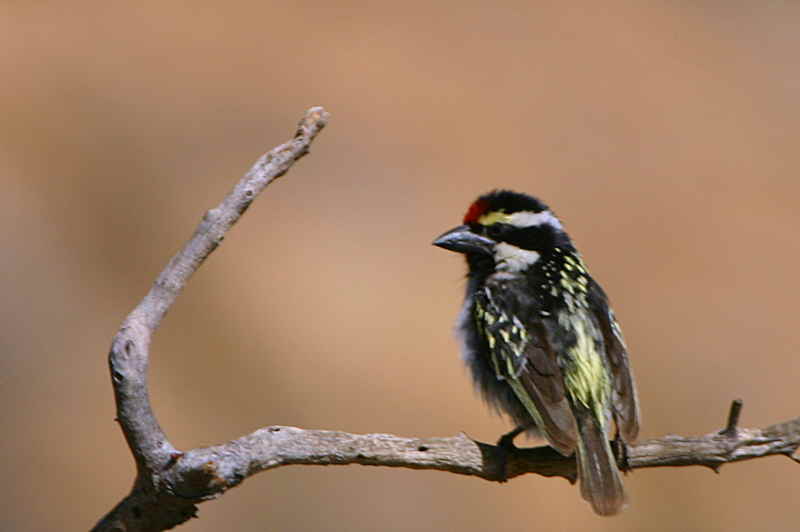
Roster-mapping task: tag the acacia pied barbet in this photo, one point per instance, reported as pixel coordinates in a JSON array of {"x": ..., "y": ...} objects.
[{"x": 540, "y": 338}]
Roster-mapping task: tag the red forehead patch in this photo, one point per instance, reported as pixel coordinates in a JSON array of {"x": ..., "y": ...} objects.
[{"x": 476, "y": 210}]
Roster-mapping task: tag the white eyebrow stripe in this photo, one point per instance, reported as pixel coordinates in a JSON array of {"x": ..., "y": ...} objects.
[{"x": 532, "y": 219}]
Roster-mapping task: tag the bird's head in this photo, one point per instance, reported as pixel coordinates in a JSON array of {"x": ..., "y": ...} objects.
[{"x": 505, "y": 231}]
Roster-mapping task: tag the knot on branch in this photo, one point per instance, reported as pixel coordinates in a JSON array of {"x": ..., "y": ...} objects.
[{"x": 202, "y": 483}]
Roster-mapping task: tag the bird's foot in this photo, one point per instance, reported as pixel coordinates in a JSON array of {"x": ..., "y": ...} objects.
[
  {"x": 506, "y": 448},
  {"x": 620, "y": 449}
]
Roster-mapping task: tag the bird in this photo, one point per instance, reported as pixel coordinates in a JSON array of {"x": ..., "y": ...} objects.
[{"x": 541, "y": 340}]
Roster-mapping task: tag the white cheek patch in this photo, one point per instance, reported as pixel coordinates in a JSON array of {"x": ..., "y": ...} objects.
[
  {"x": 510, "y": 258},
  {"x": 532, "y": 219}
]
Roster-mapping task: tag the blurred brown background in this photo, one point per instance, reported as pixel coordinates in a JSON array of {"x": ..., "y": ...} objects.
[{"x": 665, "y": 135}]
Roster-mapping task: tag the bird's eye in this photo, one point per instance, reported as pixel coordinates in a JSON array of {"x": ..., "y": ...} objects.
[{"x": 494, "y": 230}]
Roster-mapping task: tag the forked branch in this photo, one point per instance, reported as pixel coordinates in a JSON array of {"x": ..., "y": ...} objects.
[{"x": 170, "y": 483}]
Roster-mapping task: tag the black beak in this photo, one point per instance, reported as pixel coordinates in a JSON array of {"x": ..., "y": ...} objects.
[{"x": 462, "y": 240}]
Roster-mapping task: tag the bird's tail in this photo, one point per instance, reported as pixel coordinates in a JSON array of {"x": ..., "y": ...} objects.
[{"x": 600, "y": 480}]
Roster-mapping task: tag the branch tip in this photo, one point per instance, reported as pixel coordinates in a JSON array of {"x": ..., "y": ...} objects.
[
  {"x": 735, "y": 412},
  {"x": 312, "y": 123}
]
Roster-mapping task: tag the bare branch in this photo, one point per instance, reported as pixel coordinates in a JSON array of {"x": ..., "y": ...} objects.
[
  {"x": 128, "y": 359},
  {"x": 273, "y": 447},
  {"x": 170, "y": 483},
  {"x": 203, "y": 474}
]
